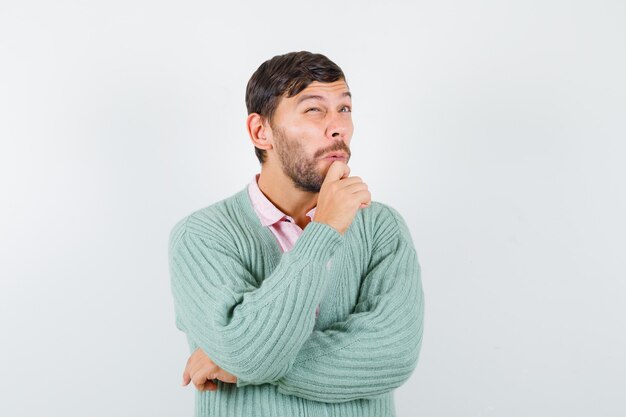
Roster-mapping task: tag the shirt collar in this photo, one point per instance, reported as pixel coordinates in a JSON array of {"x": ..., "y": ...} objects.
[{"x": 268, "y": 213}]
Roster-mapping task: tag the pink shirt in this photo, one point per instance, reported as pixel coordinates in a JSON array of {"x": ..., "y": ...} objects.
[{"x": 282, "y": 226}]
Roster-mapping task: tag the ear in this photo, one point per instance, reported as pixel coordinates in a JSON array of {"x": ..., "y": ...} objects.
[{"x": 259, "y": 131}]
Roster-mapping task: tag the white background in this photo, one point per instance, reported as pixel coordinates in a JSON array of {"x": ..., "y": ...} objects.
[{"x": 496, "y": 128}]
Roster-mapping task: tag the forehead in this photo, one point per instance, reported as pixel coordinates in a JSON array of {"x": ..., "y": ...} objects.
[{"x": 337, "y": 87}]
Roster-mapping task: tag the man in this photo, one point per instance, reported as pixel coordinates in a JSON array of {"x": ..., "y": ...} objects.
[{"x": 298, "y": 294}]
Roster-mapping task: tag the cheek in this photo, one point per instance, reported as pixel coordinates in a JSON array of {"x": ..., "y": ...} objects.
[
  {"x": 349, "y": 132},
  {"x": 306, "y": 133}
]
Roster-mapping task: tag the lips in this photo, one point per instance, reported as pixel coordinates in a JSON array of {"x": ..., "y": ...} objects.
[{"x": 336, "y": 155}]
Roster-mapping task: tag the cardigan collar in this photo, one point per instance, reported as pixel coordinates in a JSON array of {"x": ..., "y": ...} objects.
[{"x": 266, "y": 211}]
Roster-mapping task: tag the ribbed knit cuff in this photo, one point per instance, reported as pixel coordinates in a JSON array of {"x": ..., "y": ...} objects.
[
  {"x": 318, "y": 241},
  {"x": 241, "y": 383}
]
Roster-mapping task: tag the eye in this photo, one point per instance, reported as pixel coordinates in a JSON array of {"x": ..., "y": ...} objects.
[
  {"x": 346, "y": 109},
  {"x": 312, "y": 108}
]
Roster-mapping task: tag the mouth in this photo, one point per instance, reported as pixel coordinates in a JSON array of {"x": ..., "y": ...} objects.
[{"x": 336, "y": 156}]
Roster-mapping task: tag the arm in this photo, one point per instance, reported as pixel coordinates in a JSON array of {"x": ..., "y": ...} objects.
[
  {"x": 251, "y": 332},
  {"x": 376, "y": 348}
]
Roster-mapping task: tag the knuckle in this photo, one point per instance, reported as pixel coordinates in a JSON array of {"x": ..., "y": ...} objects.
[{"x": 198, "y": 378}]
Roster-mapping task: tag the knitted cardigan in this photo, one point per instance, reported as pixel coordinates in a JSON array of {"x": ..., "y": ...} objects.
[{"x": 251, "y": 309}]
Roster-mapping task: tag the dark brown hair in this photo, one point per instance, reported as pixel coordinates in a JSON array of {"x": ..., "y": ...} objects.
[{"x": 288, "y": 75}]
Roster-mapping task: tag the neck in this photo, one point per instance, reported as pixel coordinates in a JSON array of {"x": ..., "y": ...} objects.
[{"x": 280, "y": 190}]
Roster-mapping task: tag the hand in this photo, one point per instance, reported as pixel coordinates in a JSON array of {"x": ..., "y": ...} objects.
[
  {"x": 202, "y": 371},
  {"x": 340, "y": 197}
]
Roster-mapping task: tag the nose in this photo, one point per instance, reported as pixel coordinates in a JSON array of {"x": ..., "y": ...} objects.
[{"x": 339, "y": 127}]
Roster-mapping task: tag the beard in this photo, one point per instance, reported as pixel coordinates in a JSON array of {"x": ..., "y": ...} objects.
[{"x": 303, "y": 170}]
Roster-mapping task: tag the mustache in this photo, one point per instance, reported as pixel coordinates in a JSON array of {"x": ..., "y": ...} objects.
[{"x": 337, "y": 146}]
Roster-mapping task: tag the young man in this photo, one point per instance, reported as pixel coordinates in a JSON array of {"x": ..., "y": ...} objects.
[{"x": 299, "y": 295}]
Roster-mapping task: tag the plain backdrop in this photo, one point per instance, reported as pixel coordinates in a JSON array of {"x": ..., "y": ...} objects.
[{"x": 496, "y": 128}]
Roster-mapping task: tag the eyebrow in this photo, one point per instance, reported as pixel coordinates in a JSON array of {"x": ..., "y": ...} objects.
[{"x": 316, "y": 97}]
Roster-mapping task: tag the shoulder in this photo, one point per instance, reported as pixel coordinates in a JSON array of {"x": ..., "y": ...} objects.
[
  {"x": 385, "y": 222},
  {"x": 215, "y": 222}
]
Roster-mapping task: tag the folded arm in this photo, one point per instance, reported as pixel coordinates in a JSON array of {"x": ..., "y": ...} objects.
[
  {"x": 376, "y": 348},
  {"x": 251, "y": 332}
]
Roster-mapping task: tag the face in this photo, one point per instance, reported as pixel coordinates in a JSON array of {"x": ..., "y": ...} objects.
[{"x": 308, "y": 127}]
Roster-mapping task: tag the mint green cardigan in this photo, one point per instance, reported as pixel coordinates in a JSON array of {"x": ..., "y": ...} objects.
[{"x": 251, "y": 308}]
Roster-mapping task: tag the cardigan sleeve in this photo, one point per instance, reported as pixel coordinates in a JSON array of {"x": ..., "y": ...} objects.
[
  {"x": 253, "y": 332},
  {"x": 376, "y": 348}
]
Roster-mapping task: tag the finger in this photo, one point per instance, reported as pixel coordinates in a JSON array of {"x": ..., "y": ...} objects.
[
  {"x": 186, "y": 377},
  {"x": 208, "y": 366},
  {"x": 188, "y": 372},
  {"x": 337, "y": 171},
  {"x": 361, "y": 198},
  {"x": 224, "y": 376},
  {"x": 209, "y": 385},
  {"x": 364, "y": 196},
  {"x": 351, "y": 181},
  {"x": 200, "y": 377},
  {"x": 346, "y": 171},
  {"x": 358, "y": 186},
  {"x": 189, "y": 366}
]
